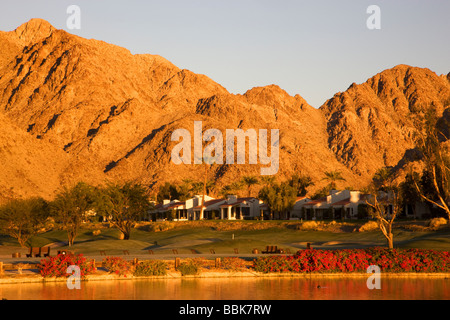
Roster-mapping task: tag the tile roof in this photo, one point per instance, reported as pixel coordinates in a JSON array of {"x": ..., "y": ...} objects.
[
  {"x": 342, "y": 202},
  {"x": 209, "y": 203},
  {"x": 314, "y": 202},
  {"x": 176, "y": 205},
  {"x": 232, "y": 204}
]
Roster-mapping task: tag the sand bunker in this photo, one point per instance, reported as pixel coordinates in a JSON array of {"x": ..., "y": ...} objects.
[
  {"x": 190, "y": 243},
  {"x": 331, "y": 243}
]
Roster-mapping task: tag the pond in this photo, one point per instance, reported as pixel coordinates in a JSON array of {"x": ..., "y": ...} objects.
[{"x": 315, "y": 288}]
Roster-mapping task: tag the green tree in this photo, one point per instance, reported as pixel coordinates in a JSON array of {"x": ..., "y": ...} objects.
[
  {"x": 301, "y": 183},
  {"x": 70, "y": 206},
  {"x": 167, "y": 191},
  {"x": 321, "y": 193},
  {"x": 279, "y": 197},
  {"x": 124, "y": 204},
  {"x": 22, "y": 218}
]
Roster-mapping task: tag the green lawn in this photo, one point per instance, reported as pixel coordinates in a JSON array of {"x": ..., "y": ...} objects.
[{"x": 202, "y": 239}]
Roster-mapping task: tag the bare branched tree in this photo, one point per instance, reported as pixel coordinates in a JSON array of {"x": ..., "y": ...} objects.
[
  {"x": 429, "y": 140},
  {"x": 385, "y": 202}
]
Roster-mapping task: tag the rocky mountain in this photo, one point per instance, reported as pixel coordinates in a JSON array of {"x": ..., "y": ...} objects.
[
  {"x": 74, "y": 109},
  {"x": 371, "y": 125}
]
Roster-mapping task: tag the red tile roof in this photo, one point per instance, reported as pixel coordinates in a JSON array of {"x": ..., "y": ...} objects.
[
  {"x": 176, "y": 205},
  {"x": 159, "y": 205},
  {"x": 314, "y": 202},
  {"x": 342, "y": 202},
  {"x": 209, "y": 203},
  {"x": 231, "y": 204},
  {"x": 246, "y": 198}
]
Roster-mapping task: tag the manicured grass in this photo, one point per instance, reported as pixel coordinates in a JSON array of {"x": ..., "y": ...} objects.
[{"x": 204, "y": 238}]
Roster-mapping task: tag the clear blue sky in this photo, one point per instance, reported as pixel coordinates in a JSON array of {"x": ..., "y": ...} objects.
[{"x": 313, "y": 48}]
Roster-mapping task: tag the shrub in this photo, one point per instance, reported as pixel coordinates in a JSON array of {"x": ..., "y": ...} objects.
[
  {"x": 150, "y": 268},
  {"x": 243, "y": 226},
  {"x": 190, "y": 267},
  {"x": 363, "y": 211},
  {"x": 233, "y": 264},
  {"x": 369, "y": 226},
  {"x": 118, "y": 266},
  {"x": 309, "y": 225},
  {"x": 57, "y": 266},
  {"x": 435, "y": 223},
  {"x": 199, "y": 262},
  {"x": 161, "y": 226}
]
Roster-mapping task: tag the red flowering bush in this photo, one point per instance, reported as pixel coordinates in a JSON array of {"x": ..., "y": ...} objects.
[
  {"x": 118, "y": 266},
  {"x": 356, "y": 260},
  {"x": 57, "y": 266},
  {"x": 410, "y": 260}
]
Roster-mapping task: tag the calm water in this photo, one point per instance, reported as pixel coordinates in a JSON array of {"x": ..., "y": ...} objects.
[{"x": 234, "y": 289}]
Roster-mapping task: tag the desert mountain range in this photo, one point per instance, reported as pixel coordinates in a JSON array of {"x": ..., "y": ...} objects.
[{"x": 75, "y": 109}]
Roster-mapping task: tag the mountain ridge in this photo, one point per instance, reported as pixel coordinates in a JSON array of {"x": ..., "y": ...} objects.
[{"x": 109, "y": 114}]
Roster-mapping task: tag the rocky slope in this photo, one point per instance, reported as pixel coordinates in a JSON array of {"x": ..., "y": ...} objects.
[
  {"x": 86, "y": 110},
  {"x": 371, "y": 125}
]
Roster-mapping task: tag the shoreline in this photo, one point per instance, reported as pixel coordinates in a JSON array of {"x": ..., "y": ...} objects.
[{"x": 23, "y": 279}]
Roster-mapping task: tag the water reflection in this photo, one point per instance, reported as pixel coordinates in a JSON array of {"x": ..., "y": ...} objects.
[{"x": 235, "y": 289}]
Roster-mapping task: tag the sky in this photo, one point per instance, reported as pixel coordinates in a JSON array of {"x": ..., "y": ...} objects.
[{"x": 312, "y": 48}]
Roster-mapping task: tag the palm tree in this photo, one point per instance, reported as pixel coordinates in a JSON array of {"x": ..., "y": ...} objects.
[
  {"x": 198, "y": 186},
  {"x": 383, "y": 178},
  {"x": 185, "y": 189},
  {"x": 232, "y": 188},
  {"x": 249, "y": 181},
  {"x": 333, "y": 176},
  {"x": 268, "y": 180}
]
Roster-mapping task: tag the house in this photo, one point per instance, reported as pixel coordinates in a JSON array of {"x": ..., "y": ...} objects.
[
  {"x": 211, "y": 210},
  {"x": 264, "y": 211},
  {"x": 296, "y": 211},
  {"x": 342, "y": 204},
  {"x": 349, "y": 208},
  {"x": 159, "y": 212},
  {"x": 232, "y": 208},
  {"x": 176, "y": 210},
  {"x": 339, "y": 205},
  {"x": 240, "y": 208}
]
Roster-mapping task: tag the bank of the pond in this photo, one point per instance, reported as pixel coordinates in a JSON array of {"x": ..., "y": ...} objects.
[
  {"x": 18, "y": 279},
  {"x": 305, "y": 263}
]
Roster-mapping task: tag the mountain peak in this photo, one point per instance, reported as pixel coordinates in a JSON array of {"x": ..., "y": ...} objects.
[{"x": 34, "y": 30}]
